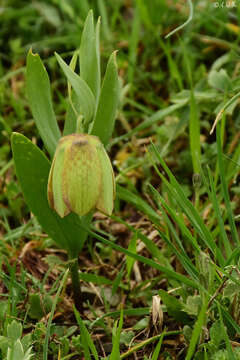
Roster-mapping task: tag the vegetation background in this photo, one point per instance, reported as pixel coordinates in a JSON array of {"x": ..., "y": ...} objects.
[{"x": 178, "y": 280}]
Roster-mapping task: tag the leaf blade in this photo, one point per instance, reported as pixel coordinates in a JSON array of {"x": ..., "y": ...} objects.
[
  {"x": 106, "y": 111},
  {"x": 89, "y": 56},
  {"x": 83, "y": 92},
  {"x": 39, "y": 94}
]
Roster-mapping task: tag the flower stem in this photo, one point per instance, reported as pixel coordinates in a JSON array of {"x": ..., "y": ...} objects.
[{"x": 77, "y": 294}]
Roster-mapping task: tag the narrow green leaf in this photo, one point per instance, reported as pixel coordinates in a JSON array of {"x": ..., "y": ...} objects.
[
  {"x": 82, "y": 90},
  {"x": 32, "y": 168},
  {"x": 89, "y": 56},
  {"x": 142, "y": 205},
  {"x": 103, "y": 124},
  {"x": 188, "y": 208},
  {"x": 150, "y": 245},
  {"x": 133, "y": 44},
  {"x": 225, "y": 335},
  {"x": 47, "y": 337},
  {"x": 103, "y": 12},
  {"x": 144, "y": 343},
  {"x": 222, "y": 233},
  {"x": 133, "y": 248},
  {"x": 115, "y": 354},
  {"x": 95, "y": 279},
  {"x": 173, "y": 67},
  {"x": 157, "y": 349},
  {"x": 197, "y": 331},
  {"x": 128, "y": 312},
  {"x": 156, "y": 117},
  {"x": 39, "y": 94},
  {"x": 194, "y": 131},
  {"x": 70, "y": 124},
  {"x": 116, "y": 282},
  {"x": 170, "y": 273},
  {"x": 84, "y": 8},
  {"x": 86, "y": 338},
  {"x": 224, "y": 187},
  {"x": 177, "y": 219}
]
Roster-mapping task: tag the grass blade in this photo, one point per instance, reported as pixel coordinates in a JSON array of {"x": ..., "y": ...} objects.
[
  {"x": 197, "y": 331},
  {"x": 194, "y": 132},
  {"x": 45, "y": 346},
  {"x": 225, "y": 189},
  {"x": 86, "y": 338},
  {"x": 115, "y": 354},
  {"x": 216, "y": 207},
  {"x": 188, "y": 208},
  {"x": 170, "y": 273}
]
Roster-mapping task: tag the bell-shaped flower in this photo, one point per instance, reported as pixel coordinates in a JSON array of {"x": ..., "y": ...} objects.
[{"x": 81, "y": 177}]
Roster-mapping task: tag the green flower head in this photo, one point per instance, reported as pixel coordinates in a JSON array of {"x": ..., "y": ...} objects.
[{"x": 81, "y": 176}]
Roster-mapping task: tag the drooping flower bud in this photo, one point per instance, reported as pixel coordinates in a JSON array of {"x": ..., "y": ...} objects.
[{"x": 81, "y": 177}]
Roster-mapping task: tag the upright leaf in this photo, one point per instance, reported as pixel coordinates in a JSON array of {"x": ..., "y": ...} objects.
[
  {"x": 39, "y": 94},
  {"x": 89, "y": 56},
  {"x": 83, "y": 92},
  {"x": 32, "y": 168},
  {"x": 70, "y": 124},
  {"x": 86, "y": 338},
  {"x": 106, "y": 111},
  {"x": 115, "y": 354},
  {"x": 194, "y": 131},
  {"x": 224, "y": 187}
]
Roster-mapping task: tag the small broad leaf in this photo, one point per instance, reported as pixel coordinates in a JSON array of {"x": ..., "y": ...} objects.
[
  {"x": 82, "y": 90},
  {"x": 39, "y": 94},
  {"x": 89, "y": 55},
  {"x": 193, "y": 305},
  {"x": 39, "y": 307},
  {"x": 219, "y": 80},
  {"x": 32, "y": 168},
  {"x": 16, "y": 352},
  {"x": 216, "y": 333},
  {"x": 109, "y": 96},
  {"x": 174, "y": 307},
  {"x": 14, "y": 330}
]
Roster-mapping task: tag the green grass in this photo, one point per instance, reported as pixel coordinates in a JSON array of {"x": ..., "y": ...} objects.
[{"x": 174, "y": 231}]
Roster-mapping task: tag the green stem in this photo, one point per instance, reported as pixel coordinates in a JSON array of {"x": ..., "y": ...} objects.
[{"x": 77, "y": 294}]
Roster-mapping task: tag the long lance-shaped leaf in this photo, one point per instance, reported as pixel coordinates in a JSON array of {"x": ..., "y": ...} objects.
[
  {"x": 82, "y": 90},
  {"x": 106, "y": 111},
  {"x": 89, "y": 55},
  {"x": 39, "y": 94},
  {"x": 32, "y": 168}
]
